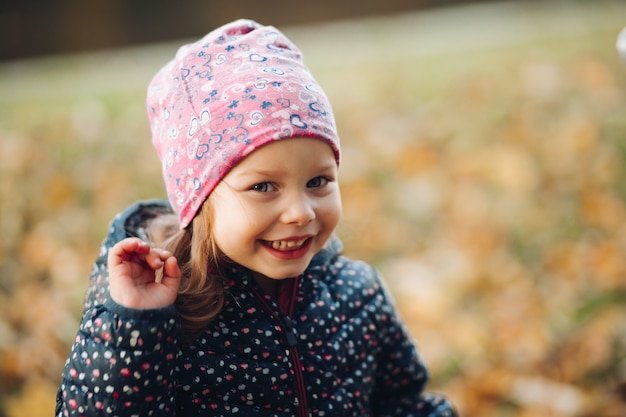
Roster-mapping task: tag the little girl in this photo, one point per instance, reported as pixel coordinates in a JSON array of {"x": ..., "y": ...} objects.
[{"x": 234, "y": 298}]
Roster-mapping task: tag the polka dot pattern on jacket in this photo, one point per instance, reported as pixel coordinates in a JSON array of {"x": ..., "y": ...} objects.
[{"x": 340, "y": 349}]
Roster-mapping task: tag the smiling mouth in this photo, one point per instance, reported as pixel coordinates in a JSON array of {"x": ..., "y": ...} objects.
[{"x": 285, "y": 245}]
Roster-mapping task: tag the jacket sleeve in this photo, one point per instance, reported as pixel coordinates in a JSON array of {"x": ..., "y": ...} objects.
[
  {"x": 122, "y": 363},
  {"x": 401, "y": 374},
  {"x": 129, "y": 223}
]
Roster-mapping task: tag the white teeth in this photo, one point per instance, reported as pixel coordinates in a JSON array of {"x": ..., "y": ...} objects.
[{"x": 287, "y": 245}]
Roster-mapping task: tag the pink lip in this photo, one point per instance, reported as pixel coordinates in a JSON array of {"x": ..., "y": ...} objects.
[{"x": 294, "y": 253}]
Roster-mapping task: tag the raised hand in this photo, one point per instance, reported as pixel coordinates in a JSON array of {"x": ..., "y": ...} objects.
[{"x": 142, "y": 277}]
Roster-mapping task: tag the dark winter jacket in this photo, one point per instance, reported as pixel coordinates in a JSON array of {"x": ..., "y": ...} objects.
[{"x": 340, "y": 350}]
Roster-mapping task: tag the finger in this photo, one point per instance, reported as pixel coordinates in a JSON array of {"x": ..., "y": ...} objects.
[
  {"x": 119, "y": 252},
  {"x": 171, "y": 270},
  {"x": 127, "y": 247},
  {"x": 164, "y": 253},
  {"x": 154, "y": 259},
  {"x": 157, "y": 259},
  {"x": 128, "y": 252},
  {"x": 135, "y": 245}
]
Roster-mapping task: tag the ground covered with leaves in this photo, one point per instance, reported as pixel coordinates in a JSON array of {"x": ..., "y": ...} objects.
[{"x": 483, "y": 174}]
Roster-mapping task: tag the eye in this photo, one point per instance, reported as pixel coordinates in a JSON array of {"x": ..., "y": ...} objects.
[
  {"x": 317, "y": 182},
  {"x": 263, "y": 187}
]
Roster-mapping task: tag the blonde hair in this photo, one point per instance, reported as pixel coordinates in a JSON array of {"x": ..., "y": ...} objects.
[{"x": 201, "y": 293}]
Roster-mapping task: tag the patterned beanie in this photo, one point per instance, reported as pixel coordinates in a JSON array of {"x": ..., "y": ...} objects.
[{"x": 240, "y": 87}]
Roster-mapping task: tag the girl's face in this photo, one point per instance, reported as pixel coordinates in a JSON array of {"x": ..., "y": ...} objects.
[{"x": 277, "y": 208}]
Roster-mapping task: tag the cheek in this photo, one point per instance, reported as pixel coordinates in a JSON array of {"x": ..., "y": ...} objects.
[
  {"x": 225, "y": 224},
  {"x": 234, "y": 228},
  {"x": 331, "y": 213},
  {"x": 233, "y": 241}
]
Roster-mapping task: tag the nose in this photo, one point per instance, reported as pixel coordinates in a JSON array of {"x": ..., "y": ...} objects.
[{"x": 298, "y": 210}]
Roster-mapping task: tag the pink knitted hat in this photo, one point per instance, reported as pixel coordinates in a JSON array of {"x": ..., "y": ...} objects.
[{"x": 240, "y": 87}]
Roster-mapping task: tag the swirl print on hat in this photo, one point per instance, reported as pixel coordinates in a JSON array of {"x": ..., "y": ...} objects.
[{"x": 240, "y": 87}]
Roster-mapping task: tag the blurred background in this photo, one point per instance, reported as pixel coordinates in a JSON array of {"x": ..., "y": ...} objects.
[{"x": 483, "y": 174}]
